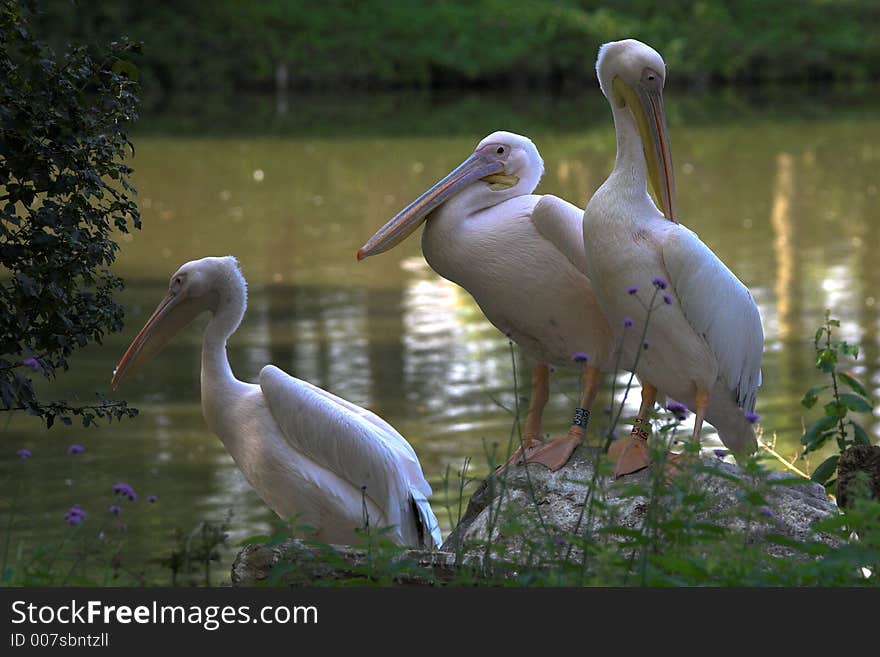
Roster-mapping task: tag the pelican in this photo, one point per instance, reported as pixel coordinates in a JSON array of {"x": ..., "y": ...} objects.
[
  {"x": 520, "y": 256},
  {"x": 308, "y": 454},
  {"x": 705, "y": 339}
]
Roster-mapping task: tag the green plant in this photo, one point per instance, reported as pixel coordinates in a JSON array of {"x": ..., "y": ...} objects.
[
  {"x": 63, "y": 190},
  {"x": 195, "y": 551},
  {"x": 836, "y": 422}
]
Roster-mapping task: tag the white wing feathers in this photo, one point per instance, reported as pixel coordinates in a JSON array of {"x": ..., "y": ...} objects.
[
  {"x": 355, "y": 444},
  {"x": 561, "y": 223},
  {"x": 720, "y": 308},
  {"x": 388, "y": 434},
  {"x": 430, "y": 526}
]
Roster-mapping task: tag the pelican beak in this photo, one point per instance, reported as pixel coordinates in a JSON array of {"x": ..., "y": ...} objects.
[
  {"x": 167, "y": 320},
  {"x": 646, "y": 104},
  {"x": 476, "y": 167}
]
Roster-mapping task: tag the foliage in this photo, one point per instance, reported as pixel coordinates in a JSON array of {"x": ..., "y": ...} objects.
[
  {"x": 63, "y": 190},
  {"x": 195, "y": 551},
  {"x": 381, "y": 43},
  {"x": 681, "y": 542},
  {"x": 836, "y": 421}
]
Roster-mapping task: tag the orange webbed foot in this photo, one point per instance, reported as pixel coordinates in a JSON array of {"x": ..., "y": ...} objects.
[
  {"x": 631, "y": 453},
  {"x": 556, "y": 453}
]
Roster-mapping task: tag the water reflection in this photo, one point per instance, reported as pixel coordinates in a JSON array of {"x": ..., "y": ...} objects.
[{"x": 788, "y": 203}]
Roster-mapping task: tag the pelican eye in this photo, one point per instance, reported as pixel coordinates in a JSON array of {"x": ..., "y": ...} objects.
[{"x": 500, "y": 150}]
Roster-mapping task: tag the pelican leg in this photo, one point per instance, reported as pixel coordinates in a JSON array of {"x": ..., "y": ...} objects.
[
  {"x": 675, "y": 461},
  {"x": 556, "y": 453},
  {"x": 532, "y": 437},
  {"x": 631, "y": 452}
]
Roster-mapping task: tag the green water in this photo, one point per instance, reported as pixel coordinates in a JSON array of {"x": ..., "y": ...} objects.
[{"x": 785, "y": 193}]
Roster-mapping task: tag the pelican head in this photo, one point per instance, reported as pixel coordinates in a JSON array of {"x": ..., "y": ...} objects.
[
  {"x": 631, "y": 75},
  {"x": 202, "y": 285},
  {"x": 503, "y": 165}
]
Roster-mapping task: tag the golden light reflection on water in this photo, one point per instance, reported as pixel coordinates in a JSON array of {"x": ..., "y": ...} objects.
[{"x": 790, "y": 206}]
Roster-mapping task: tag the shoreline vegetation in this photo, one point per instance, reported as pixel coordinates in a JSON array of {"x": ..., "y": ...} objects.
[
  {"x": 371, "y": 113},
  {"x": 381, "y": 45}
]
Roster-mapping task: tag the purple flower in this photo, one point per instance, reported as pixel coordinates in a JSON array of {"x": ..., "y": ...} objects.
[
  {"x": 24, "y": 453},
  {"x": 646, "y": 344},
  {"x": 678, "y": 409},
  {"x": 115, "y": 509},
  {"x": 667, "y": 299},
  {"x": 752, "y": 417},
  {"x": 126, "y": 491},
  {"x": 627, "y": 322},
  {"x": 74, "y": 515},
  {"x": 33, "y": 363},
  {"x": 721, "y": 453},
  {"x": 580, "y": 357},
  {"x": 152, "y": 499},
  {"x": 660, "y": 283},
  {"x": 632, "y": 289},
  {"x": 764, "y": 511},
  {"x": 73, "y": 450}
]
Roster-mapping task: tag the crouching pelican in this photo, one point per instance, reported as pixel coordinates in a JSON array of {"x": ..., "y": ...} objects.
[
  {"x": 706, "y": 341},
  {"x": 521, "y": 257},
  {"x": 307, "y": 453}
]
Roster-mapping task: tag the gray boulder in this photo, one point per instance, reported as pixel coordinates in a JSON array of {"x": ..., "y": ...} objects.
[{"x": 550, "y": 505}]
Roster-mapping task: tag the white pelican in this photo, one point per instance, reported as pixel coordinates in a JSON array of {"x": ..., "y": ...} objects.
[
  {"x": 307, "y": 453},
  {"x": 706, "y": 340},
  {"x": 520, "y": 256}
]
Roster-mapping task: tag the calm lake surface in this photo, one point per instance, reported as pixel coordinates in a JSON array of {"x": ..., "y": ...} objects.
[{"x": 784, "y": 191}]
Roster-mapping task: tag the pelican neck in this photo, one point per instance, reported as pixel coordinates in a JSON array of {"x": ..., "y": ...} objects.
[
  {"x": 223, "y": 323},
  {"x": 630, "y": 160}
]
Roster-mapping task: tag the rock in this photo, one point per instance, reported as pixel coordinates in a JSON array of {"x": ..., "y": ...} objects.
[
  {"x": 790, "y": 509},
  {"x": 303, "y": 564},
  {"x": 858, "y": 462},
  {"x": 717, "y": 493}
]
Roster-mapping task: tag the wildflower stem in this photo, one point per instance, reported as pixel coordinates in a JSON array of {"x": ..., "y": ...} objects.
[
  {"x": 841, "y": 429},
  {"x": 632, "y": 374},
  {"x": 779, "y": 457}
]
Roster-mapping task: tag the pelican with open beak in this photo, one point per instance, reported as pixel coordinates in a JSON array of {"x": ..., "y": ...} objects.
[
  {"x": 521, "y": 257},
  {"x": 704, "y": 331}
]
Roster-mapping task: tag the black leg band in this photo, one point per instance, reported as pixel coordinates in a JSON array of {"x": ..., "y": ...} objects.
[{"x": 581, "y": 417}]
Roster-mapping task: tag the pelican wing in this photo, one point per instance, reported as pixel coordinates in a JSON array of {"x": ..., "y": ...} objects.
[
  {"x": 561, "y": 223},
  {"x": 720, "y": 308},
  {"x": 351, "y": 442},
  {"x": 389, "y": 435}
]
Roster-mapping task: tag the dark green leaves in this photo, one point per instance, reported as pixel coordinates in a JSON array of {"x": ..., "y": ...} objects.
[
  {"x": 126, "y": 68},
  {"x": 825, "y": 470},
  {"x": 855, "y": 403},
  {"x": 826, "y": 360},
  {"x": 853, "y": 383},
  {"x": 817, "y": 433},
  {"x": 835, "y": 423},
  {"x": 63, "y": 189},
  {"x": 859, "y": 434},
  {"x": 812, "y": 395}
]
